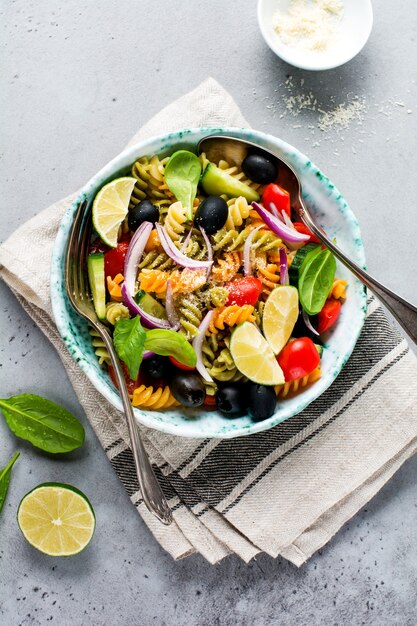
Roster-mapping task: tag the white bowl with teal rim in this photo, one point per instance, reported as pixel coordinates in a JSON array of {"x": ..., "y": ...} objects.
[{"x": 332, "y": 213}]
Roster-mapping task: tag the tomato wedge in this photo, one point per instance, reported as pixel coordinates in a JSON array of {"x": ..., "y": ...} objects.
[
  {"x": 299, "y": 358},
  {"x": 279, "y": 197},
  {"x": 329, "y": 315},
  {"x": 244, "y": 291},
  {"x": 181, "y": 366},
  {"x": 114, "y": 259},
  {"x": 131, "y": 384}
]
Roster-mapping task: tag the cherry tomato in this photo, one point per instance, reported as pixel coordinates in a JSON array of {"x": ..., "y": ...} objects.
[
  {"x": 275, "y": 194},
  {"x": 329, "y": 314},
  {"x": 210, "y": 402},
  {"x": 302, "y": 228},
  {"x": 180, "y": 366},
  {"x": 244, "y": 291},
  {"x": 298, "y": 358},
  {"x": 114, "y": 259},
  {"x": 131, "y": 384}
]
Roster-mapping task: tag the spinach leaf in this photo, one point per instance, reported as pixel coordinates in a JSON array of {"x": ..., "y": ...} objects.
[
  {"x": 5, "y": 475},
  {"x": 315, "y": 281},
  {"x": 182, "y": 173},
  {"x": 43, "y": 423},
  {"x": 129, "y": 341},
  {"x": 171, "y": 343}
]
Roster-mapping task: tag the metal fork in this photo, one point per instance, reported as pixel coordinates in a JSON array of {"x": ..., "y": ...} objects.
[{"x": 79, "y": 295}]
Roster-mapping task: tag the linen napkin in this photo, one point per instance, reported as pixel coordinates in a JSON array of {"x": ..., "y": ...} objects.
[{"x": 285, "y": 491}]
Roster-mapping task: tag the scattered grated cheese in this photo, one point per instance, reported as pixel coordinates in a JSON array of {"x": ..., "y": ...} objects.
[
  {"x": 342, "y": 115},
  {"x": 309, "y": 24}
]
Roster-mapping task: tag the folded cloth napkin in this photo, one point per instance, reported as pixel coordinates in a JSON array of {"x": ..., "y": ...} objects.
[{"x": 285, "y": 491}]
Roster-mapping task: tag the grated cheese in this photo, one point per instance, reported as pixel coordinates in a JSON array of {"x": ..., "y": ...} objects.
[{"x": 309, "y": 24}]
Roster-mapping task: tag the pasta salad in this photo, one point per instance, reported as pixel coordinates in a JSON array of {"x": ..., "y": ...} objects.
[{"x": 216, "y": 296}]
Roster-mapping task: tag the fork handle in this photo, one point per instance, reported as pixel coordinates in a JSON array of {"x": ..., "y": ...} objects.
[
  {"x": 148, "y": 483},
  {"x": 404, "y": 312}
]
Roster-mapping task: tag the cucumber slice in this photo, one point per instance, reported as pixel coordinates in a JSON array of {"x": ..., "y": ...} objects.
[
  {"x": 95, "y": 269},
  {"x": 216, "y": 182},
  {"x": 152, "y": 306},
  {"x": 320, "y": 349},
  {"x": 298, "y": 260}
]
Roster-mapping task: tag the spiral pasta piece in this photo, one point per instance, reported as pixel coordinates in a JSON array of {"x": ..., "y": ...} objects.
[
  {"x": 150, "y": 182},
  {"x": 293, "y": 386},
  {"x": 174, "y": 221},
  {"x": 188, "y": 280},
  {"x": 99, "y": 347},
  {"x": 155, "y": 260},
  {"x": 154, "y": 281},
  {"x": 114, "y": 287},
  {"x": 116, "y": 311},
  {"x": 238, "y": 212},
  {"x": 190, "y": 313},
  {"x": 231, "y": 316},
  {"x": 150, "y": 398},
  {"x": 338, "y": 290},
  {"x": 226, "y": 268},
  {"x": 215, "y": 297},
  {"x": 270, "y": 277}
]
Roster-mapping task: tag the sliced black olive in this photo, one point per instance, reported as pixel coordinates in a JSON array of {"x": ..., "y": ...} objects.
[
  {"x": 187, "y": 388},
  {"x": 212, "y": 214},
  {"x": 260, "y": 169},
  {"x": 156, "y": 366},
  {"x": 231, "y": 400},
  {"x": 145, "y": 211},
  {"x": 262, "y": 401}
]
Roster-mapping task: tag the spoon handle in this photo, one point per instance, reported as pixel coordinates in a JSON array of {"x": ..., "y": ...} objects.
[{"x": 404, "y": 312}]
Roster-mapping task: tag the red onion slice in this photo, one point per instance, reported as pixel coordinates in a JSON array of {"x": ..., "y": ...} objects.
[
  {"x": 170, "y": 307},
  {"x": 287, "y": 220},
  {"x": 209, "y": 250},
  {"x": 150, "y": 321},
  {"x": 274, "y": 210},
  {"x": 283, "y": 267},
  {"x": 175, "y": 254},
  {"x": 289, "y": 235},
  {"x": 247, "y": 269},
  {"x": 198, "y": 347},
  {"x": 134, "y": 255},
  {"x": 309, "y": 324},
  {"x": 186, "y": 240}
]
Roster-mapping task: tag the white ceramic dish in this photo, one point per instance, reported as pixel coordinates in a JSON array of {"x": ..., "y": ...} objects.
[
  {"x": 353, "y": 33},
  {"x": 332, "y": 212}
]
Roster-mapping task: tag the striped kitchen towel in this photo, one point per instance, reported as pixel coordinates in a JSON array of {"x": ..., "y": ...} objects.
[{"x": 285, "y": 491}]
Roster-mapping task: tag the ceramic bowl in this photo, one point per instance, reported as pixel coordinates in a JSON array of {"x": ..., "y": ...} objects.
[
  {"x": 353, "y": 33},
  {"x": 333, "y": 214}
]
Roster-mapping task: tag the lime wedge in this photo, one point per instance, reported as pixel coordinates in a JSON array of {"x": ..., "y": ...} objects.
[
  {"x": 279, "y": 316},
  {"x": 253, "y": 356},
  {"x": 56, "y": 519},
  {"x": 110, "y": 208}
]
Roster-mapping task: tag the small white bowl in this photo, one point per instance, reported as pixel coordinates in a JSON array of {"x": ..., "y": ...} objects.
[{"x": 353, "y": 31}]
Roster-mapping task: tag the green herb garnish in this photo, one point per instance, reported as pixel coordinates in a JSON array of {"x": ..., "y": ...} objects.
[
  {"x": 315, "y": 280},
  {"x": 43, "y": 423},
  {"x": 182, "y": 173},
  {"x": 129, "y": 341},
  {"x": 5, "y": 475}
]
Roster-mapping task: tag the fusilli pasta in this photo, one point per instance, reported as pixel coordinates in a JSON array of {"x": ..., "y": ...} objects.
[
  {"x": 293, "y": 386},
  {"x": 114, "y": 287},
  {"x": 150, "y": 398},
  {"x": 174, "y": 221},
  {"x": 99, "y": 347},
  {"x": 238, "y": 212},
  {"x": 230, "y": 315},
  {"x": 190, "y": 313},
  {"x": 116, "y": 311},
  {"x": 338, "y": 290},
  {"x": 150, "y": 182}
]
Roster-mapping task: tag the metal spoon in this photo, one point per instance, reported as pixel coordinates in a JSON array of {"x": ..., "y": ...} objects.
[{"x": 233, "y": 151}]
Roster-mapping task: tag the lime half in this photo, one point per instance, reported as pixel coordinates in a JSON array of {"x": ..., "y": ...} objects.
[
  {"x": 110, "y": 208},
  {"x": 279, "y": 316},
  {"x": 253, "y": 356},
  {"x": 56, "y": 519}
]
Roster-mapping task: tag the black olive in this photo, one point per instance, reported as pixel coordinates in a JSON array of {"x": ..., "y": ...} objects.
[
  {"x": 145, "y": 211},
  {"x": 260, "y": 169},
  {"x": 212, "y": 214},
  {"x": 156, "y": 366},
  {"x": 301, "y": 330},
  {"x": 187, "y": 388},
  {"x": 262, "y": 401},
  {"x": 232, "y": 400}
]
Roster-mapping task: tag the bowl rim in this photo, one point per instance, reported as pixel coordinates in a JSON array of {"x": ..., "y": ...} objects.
[
  {"x": 284, "y": 52},
  {"x": 59, "y": 306}
]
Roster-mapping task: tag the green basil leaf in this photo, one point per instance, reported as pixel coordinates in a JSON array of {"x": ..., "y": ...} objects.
[
  {"x": 316, "y": 279},
  {"x": 129, "y": 340},
  {"x": 43, "y": 423},
  {"x": 182, "y": 173},
  {"x": 171, "y": 343},
  {"x": 5, "y": 475}
]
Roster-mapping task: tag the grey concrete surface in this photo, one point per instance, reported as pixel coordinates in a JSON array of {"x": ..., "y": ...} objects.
[{"x": 78, "y": 79}]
